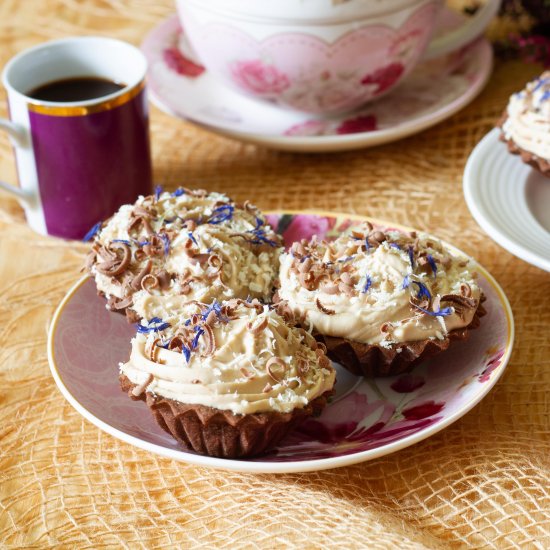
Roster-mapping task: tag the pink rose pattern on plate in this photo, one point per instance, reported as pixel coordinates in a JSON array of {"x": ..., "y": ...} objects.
[
  {"x": 179, "y": 62},
  {"x": 365, "y": 414},
  {"x": 259, "y": 78}
]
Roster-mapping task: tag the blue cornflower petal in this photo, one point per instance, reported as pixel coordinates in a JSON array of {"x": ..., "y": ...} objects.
[
  {"x": 166, "y": 242},
  {"x": 221, "y": 214},
  {"x": 432, "y": 263},
  {"x": 411, "y": 256},
  {"x": 440, "y": 313},
  {"x": 195, "y": 341},
  {"x": 368, "y": 283},
  {"x": 158, "y": 191},
  {"x": 178, "y": 192},
  {"x": 422, "y": 290},
  {"x": 92, "y": 232}
]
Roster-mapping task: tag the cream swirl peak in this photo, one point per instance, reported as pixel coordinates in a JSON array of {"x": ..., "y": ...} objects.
[
  {"x": 527, "y": 121},
  {"x": 237, "y": 355},
  {"x": 379, "y": 287},
  {"x": 169, "y": 248}
]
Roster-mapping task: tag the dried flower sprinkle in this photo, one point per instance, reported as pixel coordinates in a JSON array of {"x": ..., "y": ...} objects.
[{"x": 92, "y": 232}]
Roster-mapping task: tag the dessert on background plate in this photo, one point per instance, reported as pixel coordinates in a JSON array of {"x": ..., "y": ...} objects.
[
  {"x": 230, "y": 379},
  {"x": 167, "y": 249},
  {"x": 381, "y": 300},
  {"x": 525, "y": 124}
]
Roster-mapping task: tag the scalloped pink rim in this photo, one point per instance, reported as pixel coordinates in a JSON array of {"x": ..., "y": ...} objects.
[{"x": 292, "y": 466}]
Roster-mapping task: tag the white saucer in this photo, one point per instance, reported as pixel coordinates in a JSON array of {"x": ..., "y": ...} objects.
[
  {"x": 509, "y": 200},
  {"x": 434, "y": 91}
]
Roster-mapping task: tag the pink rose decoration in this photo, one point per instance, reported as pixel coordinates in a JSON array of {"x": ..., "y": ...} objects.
[
  {"x": 181, "y": 64},
  {"x": 256, "y": 77},
  {"x": 407, "y": 383},
  {"x": 423, "y": 410},
  {"x": 363, "y": 123},
  {"x": 492, "y": 363},
  {"x": 385, "y": 77},
  {"x": 307, "y": 128}
]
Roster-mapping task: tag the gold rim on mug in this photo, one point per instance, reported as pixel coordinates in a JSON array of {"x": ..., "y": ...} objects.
[{"x": 104, "y": 105}]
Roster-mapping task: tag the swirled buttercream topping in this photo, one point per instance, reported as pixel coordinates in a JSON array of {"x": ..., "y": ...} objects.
[
  {"x": 379, "y": 287},
  {"x": 170, "y": 248},
  {"x": 528, "y": 117},
  {"x": 235, "y": 355}
]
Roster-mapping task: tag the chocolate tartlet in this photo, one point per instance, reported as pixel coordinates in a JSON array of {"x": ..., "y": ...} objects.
[
  {"x": 168, "y": 249},
  {"x": 229, "y": 379},
  {"x": 381, "y": 300},
  {"x": 525, "y": 124}
]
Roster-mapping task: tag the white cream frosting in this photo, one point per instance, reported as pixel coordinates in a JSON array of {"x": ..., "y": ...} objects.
[
  {"x": 528, "y": 117},
  {"x": 235, "y": 376},
  {"x": 246, "y": 269},
  {"x": 377, "y": 310}
]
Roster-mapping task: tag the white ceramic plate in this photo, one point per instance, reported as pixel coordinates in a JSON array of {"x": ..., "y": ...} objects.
[
  {"x": 509, "y": 200},
  {"x": 367, "y": 418},
  {"x": 434, "y": 91}
]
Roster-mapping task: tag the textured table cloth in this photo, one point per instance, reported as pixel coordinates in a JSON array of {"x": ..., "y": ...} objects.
[{"x": 482, "y": 482}]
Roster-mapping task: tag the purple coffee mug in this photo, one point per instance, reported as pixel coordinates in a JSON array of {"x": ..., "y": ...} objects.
[{"x": 78, "y": 161}]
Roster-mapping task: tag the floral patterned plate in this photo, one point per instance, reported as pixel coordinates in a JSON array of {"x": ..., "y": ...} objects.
[
  {"x": 434, "y": 91},
  {"x": 367, "y": 418}
]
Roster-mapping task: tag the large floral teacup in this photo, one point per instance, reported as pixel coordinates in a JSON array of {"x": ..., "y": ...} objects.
[{"x": 320, "y": 56}]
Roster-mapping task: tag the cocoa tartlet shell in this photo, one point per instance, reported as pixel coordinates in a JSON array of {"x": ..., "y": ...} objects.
[
  {"x": 372, "y": 360},
  {"x": 221, "y": 433},
  {"x": 539, "y": 164}
]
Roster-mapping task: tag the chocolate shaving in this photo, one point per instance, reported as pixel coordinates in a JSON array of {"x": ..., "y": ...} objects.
[
  {"x": 190, "y": 225},
  {"x": 465, "y": 290},
  {"x": 164, "y": 278},
  {"x": 149, "y": 282},
  {"x": 155, "y": 247},
  {"x": 322, "y": 308},
  {"x": 176, "y": 342},
  {"x": 116, "y": 304},
  {"x": 152, "y": 350},
  {"x": 305, "y": 265},
  {"x": 271, "y": 363},
  {"x": 246, "y": 373},
  {"x": 145, "y": 270},
  {"x": 139, "y": 255},
  {"x": 257, "y": 328},
  {"x": 329, "y": 288},
  {"x": 307, "y": 280},
  {"x": 463, "y": 301},
  {"x": 211, "y": 318},
  {"x": 136, "y": 391},
  {"x": 198, "y": 258},
  {"x": 209, "y": 340},
  {"x": 114, "y": 265},
  {"x": 321, "y": 346},
  {"x": 215, "y": 262}
]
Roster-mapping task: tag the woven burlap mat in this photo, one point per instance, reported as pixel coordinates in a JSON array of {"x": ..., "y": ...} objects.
[{"x": 483, "y": 482}]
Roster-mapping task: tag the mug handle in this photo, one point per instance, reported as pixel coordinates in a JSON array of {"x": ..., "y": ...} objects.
[
  {"x": 464, "y": 34},
  {"x": 19, "y": 139}
]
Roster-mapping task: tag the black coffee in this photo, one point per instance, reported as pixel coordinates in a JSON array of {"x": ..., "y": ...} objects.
[{"x": 80, "y": 88}]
